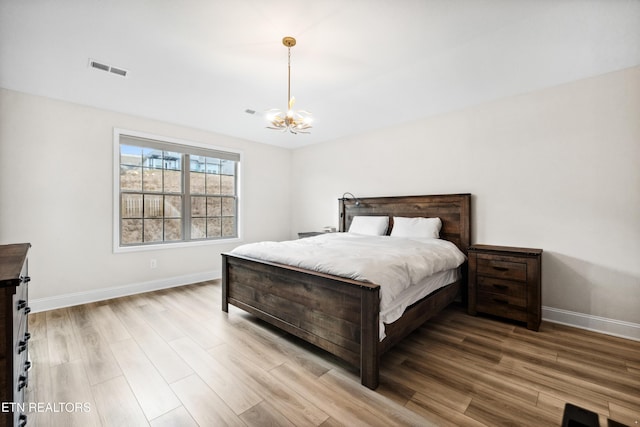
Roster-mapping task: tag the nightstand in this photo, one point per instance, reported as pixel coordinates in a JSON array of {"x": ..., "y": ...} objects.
[
  {"x": 303, "y": 234},
  {"x": 505, "y": 281}
]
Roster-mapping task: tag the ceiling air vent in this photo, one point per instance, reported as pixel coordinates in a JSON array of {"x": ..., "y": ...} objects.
[
  {"x": 99, "y": 66},
  {"x": 108, "y": 68},
  {"x": 118, "y": 71}
]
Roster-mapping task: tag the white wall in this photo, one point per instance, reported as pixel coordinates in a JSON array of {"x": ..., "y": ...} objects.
[
  {"x": 56, "y": 188},
  {"x": 557, "y": 169}
]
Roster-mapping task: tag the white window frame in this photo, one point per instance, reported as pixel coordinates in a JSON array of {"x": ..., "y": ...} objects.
[{"x": 117, "y": 248}]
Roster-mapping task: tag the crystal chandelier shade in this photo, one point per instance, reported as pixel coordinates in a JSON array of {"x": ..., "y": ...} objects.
[{"x": 290, "y": 120}]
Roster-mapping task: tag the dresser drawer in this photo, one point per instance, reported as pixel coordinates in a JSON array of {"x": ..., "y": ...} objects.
[
  {"x": 20, "y": 323},
  {"x": 20, "y": 301},
  {"x": 20, "y": 353},
  {"x": 501, "y": 268}
]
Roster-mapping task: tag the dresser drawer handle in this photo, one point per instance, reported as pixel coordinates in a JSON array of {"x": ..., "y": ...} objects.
[
  {"x": 27, "y": 365},
  {"x": 25, "y": 279},
  {"x": 21, "y": 304},
  {"x": 500, "y": 268},
  {"x": 27, "y": 310},
  {"x": 27, "y": 336},
  {"x": 22, "y": 382},
  {"x": 501, "y": 301},
  {"x": 22, "y": 346}
]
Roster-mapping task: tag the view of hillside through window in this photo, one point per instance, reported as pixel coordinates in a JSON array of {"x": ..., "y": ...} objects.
[{"x": 173, "y": 196}]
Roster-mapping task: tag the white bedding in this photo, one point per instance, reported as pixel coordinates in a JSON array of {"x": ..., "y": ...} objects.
[
  {"x": 394, "y": 263},
  {"x": 414, "y": 293}
]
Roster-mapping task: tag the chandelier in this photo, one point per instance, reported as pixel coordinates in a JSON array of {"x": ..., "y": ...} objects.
[{"x": 291, "y": 120}]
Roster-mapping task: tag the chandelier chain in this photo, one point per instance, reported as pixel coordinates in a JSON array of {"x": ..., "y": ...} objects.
[{"x": 289, "y": 75}]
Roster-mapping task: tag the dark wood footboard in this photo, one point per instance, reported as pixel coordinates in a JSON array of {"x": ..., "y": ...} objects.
[{"x": 338, "y": 315}]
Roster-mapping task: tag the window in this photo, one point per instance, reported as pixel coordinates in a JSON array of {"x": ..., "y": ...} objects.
[{"x": 170, "y": 192}]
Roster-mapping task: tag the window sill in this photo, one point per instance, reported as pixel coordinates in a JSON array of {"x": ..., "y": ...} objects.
[{"x": 157, "y": 247}]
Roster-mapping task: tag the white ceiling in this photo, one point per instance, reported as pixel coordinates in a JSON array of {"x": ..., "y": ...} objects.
[{"x": 358, "y": 65}]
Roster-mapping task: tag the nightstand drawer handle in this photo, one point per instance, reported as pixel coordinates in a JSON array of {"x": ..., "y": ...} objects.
[
  {"x": 500, "y": 268},
  {"x": 501, "y": 301}
]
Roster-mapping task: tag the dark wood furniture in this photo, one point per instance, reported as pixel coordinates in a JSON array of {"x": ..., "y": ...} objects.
[
  {"x": 505, "y": 281},
  {"x": 14, "y": 331},
  {"x": 303, "y": 234},
  {"x": 575, "y": 416},
  {"x": 341, "y": 315}
]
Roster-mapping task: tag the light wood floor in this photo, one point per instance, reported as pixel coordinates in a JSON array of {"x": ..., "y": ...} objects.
[{"x": 173, "y": 358}]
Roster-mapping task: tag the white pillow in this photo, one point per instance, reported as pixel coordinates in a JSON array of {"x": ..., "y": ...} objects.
[
  {"x": 369, "y": 225},
  {"x": 416, "y": 227}
]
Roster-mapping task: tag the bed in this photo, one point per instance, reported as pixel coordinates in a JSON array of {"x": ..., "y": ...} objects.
[{"x": 342, "y": 315}]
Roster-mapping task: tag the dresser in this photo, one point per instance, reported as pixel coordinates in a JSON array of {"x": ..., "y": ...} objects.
[
  {"x": 505, "y": 281},
  {"x": 14, "y": 332}
]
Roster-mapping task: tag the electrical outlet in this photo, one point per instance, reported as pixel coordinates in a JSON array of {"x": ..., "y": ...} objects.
[{"x": 153, "y": 263}]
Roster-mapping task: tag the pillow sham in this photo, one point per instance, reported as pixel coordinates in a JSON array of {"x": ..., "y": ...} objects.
[
  {"x": 416, "y": 227},
  {"x": 369, "y": 225}
]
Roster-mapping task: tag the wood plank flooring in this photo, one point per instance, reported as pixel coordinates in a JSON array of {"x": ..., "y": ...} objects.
[{"x": 173, "y": 358}]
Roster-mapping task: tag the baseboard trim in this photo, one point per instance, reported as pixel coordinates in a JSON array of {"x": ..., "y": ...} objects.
[
  {"x": 68, "y": 300},
  {"x": 602, "y": 325},
  {"x": 589, "y": 322}
]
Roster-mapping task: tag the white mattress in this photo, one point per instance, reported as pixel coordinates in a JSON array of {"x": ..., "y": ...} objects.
[{"x": 397, "y": 264}]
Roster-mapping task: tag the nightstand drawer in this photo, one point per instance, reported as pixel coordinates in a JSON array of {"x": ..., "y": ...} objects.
[
  {"x": 500, "y": 306},
  {"x": 501, "y": 269},
  {"x": 490, "y": 298},
  {"x": 491, "y": 285},
  {"x": 513, "y": 294}
]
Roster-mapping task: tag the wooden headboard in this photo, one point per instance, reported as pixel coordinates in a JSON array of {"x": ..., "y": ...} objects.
[{"x": 454, "y": 210}]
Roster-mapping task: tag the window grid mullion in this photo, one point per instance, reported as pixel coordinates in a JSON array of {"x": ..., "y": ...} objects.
[{"x": 186, "y": 203}]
